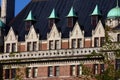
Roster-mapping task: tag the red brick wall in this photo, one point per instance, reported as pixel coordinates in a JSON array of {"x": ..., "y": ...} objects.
[
  {"x": 65, "y": 45},
  {"x": 88, "y": 43},
  {"x": 64, "y": 70},
  {"x": 21, "y": 48},
  {"x": 43, "y": 71},
  {"x": 43, "y": 46}
]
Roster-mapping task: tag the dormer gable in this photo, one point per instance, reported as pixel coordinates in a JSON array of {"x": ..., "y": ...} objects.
[
  {"x": 77, "y": 31},
  {"x": 11, "y": 35},
  {"x": 54, "y": 33},
  {"x": 32, "y": 35},
  {"x": 99, "y": 30}
]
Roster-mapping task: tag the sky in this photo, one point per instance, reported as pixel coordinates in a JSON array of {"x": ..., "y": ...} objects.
[{"x": 19, "y": 5}]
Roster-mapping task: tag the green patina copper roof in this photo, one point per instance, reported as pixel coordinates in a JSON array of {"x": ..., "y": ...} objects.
[
  {"x": 30, "y": 17},
  {"x": 53, "y": 14},
  {"x": 1, "y": 23},
  {"x": 114, "y": 12},
  {"x": 71, "y": 13},
  {"x": 96, "y": 11}
]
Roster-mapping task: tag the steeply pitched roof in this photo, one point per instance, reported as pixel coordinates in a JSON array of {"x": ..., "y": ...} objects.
[{"x": 42, "y": 9}]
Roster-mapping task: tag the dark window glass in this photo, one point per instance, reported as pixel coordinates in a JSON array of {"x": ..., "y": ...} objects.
[
  {"x": 57, "y": 71},
  {"x": 50, "y": 71},
  {"x": 7, "y": 73},
  {"x": 96, "y": 42},
  {"x": 13, "y": 47},
  {"x": 73, "y": 43},
  {"x": 7, "y": 48},
  {"x": 34, "y": 46}
]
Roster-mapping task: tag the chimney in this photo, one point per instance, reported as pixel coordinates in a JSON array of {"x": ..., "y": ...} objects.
[
  {"x": 53, "y": 18},
  {"x": 71, "y": 18},
  {"x": 95, "y": 16}
]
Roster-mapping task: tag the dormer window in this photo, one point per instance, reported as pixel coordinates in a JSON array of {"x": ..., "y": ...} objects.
[
  {"x": 54, "y": 44},
  {"x": 32, "y": 46},
  {"x": 11, "y": 47}
]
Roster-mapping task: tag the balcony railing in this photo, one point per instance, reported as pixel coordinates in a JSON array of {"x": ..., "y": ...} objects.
[{"x": 48, "y": 53}]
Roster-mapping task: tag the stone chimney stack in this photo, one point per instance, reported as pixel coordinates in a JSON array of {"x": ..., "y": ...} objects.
[{"x": 7, "y": 10}]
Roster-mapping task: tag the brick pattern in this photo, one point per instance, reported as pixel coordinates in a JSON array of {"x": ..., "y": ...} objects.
[
  {"x": 43, "y": 46},
  {"x": 21, "y": 48},
  {"x": 88, "y": 44},
  {"x": 65, "y": 45}
]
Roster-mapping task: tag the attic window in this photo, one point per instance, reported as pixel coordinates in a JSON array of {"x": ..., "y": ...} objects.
[
  {"x": 73, "y": 43},
  {"x": 28, "y": 46},
  {"x": 96, "y": 42},
  {"x": 51, "y": 44},
  {"x": 13, "y": 47},
  {"x": 34, "y": 46},
  {"x": 7, "y": 48},
  {"x": 57, "y": 44},
  {"x": 79, "y": 43}
]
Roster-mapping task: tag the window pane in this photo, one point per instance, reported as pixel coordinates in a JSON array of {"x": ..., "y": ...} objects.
[
  {"x": 7, "y": 73},
  {"x": 13, "y": 73},
  {"x": 96, "y": 42},
  {"x": 28, "y": 46},
  {"x": 35, "y": 72},
  {"x": 80, "y": 70},
  {"x": 73, "y": 43},
  {"x": 79, "y": 43},
  {"x": 50, "y": 71},
  {"x": 34, "y": 46},
  {"x": 102, "y": 40},
  {"x": 13, "y": 47},
  {"x": 101, "y": 68},
  {"x": 73, "y": 72},
  {"x": 50, "y": 45},
  {"x": 95, "y": 68},
  {"x": 57, "y": 71},
  {"x": 28, "y": 72},
  {"x": 57, "y": 44},
  {"x": 7, "y": 48}
]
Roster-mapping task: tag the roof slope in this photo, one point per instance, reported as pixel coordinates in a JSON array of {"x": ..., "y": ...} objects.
[{"x": 42, "y": 9}]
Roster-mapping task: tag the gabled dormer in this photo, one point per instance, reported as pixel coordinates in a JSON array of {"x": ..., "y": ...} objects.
[
  {"x": 53, "y": 18},
  {"x": 71, "y": 18},
  {"x": 32, "y": 40},
  {"x": 11, "y": 41},
  {"x": 98, "y": 35},
  {"x": 29, "y": 21},
  {"x": 54, "y": 38},
  {"x": 95, "y": 16},
  {"x": 76, "y": 37}
]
